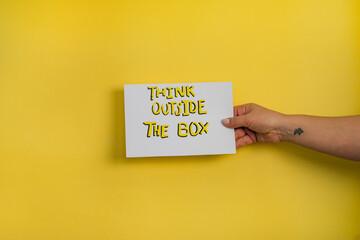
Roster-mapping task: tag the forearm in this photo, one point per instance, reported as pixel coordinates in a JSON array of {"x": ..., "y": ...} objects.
[{"x": 338, "y": 136}]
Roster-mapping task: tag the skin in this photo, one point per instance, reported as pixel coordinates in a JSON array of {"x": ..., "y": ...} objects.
[{"x": 337, "y": 136}]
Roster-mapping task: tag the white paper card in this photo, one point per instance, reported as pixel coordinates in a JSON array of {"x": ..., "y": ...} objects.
[{"x": 178, "y": 119}]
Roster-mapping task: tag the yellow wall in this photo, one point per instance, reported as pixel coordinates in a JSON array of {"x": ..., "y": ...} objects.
[{"x": 63, "y": 174}]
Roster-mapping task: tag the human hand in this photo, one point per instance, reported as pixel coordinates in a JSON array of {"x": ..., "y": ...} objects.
[{"x": 254, "y": 123}]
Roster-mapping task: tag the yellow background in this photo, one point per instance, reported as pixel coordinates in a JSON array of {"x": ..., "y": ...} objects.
[{"x": 63, "y": 64}]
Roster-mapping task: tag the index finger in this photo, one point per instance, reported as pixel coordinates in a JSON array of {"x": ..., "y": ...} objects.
[{"x": 242, "y": 109}]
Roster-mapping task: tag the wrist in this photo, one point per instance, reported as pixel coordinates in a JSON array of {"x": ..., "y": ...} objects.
[{"x": 284, "y": 129}]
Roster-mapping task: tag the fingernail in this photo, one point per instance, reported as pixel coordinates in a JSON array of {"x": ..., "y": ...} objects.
[{"x": 225, "y": 121}]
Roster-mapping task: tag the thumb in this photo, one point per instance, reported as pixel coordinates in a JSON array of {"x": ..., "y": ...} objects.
[{"x": 236, "y": 122}]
